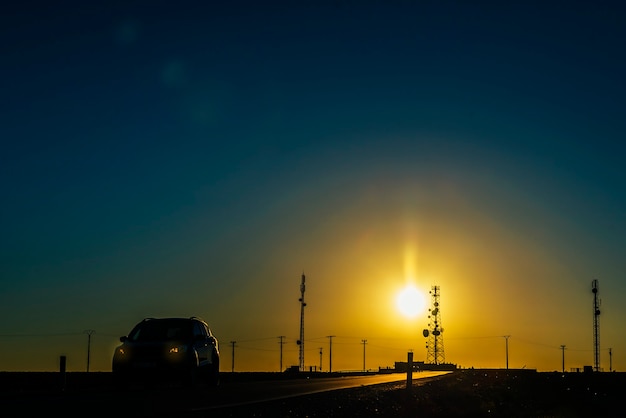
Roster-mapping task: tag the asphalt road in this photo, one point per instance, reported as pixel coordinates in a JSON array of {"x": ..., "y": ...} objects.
[{"x": 164, "y": 400}]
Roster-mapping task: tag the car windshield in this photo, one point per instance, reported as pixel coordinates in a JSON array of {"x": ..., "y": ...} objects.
[{"x": 161, "y": 330}]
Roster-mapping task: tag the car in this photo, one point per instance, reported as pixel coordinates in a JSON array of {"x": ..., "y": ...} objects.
[{"x": 182, "y": 349}]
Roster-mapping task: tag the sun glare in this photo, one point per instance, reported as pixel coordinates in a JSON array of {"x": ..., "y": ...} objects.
[{"x": 410, "y": 301}]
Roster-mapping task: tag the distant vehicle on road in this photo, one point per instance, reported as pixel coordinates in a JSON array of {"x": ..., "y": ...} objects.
[{"x": 184, "y": 349}]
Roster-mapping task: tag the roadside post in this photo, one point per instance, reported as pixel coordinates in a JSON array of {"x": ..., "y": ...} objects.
[
  {"x": 62, "y": 375},
  {"x": 409, "y": 370}
]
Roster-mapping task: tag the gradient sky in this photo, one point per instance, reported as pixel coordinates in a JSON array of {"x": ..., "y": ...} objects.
[{"x": 195, "y": 158}]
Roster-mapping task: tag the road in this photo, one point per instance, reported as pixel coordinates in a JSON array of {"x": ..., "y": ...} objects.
[
  {"x": 262, "y": 391},
  {"x": 176, "y": 401}
]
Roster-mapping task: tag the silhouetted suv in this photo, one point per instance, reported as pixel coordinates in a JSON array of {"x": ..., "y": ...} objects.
[{"x": 169, "y": 348}]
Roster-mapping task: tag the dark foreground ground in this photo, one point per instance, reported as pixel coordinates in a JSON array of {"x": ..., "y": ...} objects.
[{"x": 464, "y": 393}]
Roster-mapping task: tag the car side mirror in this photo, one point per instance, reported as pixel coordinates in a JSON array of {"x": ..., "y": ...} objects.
[
  {"x": 212, "y": 340},
  {"x": 123, "y": 339}
]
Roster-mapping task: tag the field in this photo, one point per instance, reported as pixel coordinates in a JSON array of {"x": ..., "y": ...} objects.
[{"x": 469, "y": 393}]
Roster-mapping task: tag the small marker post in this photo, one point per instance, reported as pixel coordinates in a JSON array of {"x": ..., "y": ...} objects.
[
  {"x": 409, "y": 370},
  {"x": 62, "y": 375}
]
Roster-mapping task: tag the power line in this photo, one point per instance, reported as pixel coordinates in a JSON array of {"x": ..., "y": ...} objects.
[
  {"x": 242, "y": 347},
  {"x": 256, "y": 339},
  {"x": 58, "y": 334}
]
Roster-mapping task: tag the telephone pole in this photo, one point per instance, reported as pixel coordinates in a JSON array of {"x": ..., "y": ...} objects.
[
  {"x": 89, "y": 332},
  {"x": 563, "y": 357},
  {"x": 506, "y": 337},
  {"x": 232, "y": 367},
  {"x": 321, "y": 350},
  {"x": 330, "y": 353},
  {"x": 281, "y": 342},
  {"x": 364, "y": 342}
]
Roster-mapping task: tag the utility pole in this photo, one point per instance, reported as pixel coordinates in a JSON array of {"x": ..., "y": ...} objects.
[
  {"x": 321, "y": 350},
  {"x": 563, "y": 357},
  {"x": 330, "y": 353},
  {"x": 281, "y": 342},
  {"x": 506, "y": 337},
  {"x": 232, "y": 367},
  {"x": 89, "y": 332},
  {"x": 364, "y": 342},
  {"x": 610, "y": 360}
]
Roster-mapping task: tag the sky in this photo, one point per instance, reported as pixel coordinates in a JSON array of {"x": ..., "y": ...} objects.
[{"x": 196, "y": 158}]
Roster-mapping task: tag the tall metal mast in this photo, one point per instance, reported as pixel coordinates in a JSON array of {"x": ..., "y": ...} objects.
[
  {"x": 596, "y": 326},
  {"x": 434, "y": 346},
  {"x": 301, "y": 340}
]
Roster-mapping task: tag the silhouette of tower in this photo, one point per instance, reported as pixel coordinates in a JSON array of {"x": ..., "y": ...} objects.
[
  {"x": 301, "y": 340},
  {"x": 596, "y": 326},
  {"x": 434, "y": 344}
]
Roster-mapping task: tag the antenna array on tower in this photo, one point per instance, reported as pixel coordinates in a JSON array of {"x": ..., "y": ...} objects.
[{"x": 434, "y": 346}]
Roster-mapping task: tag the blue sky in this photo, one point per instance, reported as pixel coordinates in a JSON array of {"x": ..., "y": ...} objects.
[{"x": 188, "y": 158}]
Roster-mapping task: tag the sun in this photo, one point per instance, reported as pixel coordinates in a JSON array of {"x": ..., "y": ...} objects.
[{"x": 410, "y": 301}]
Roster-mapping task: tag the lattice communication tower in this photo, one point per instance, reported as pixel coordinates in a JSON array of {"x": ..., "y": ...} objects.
[
  {"x": 301, "y": 340},
  {"x": 434, "y": 345},
  {"x": 596, "y": 326}
]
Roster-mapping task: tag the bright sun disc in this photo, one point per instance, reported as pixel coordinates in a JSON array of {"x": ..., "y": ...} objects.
[{"x": 410, "y": 301}]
